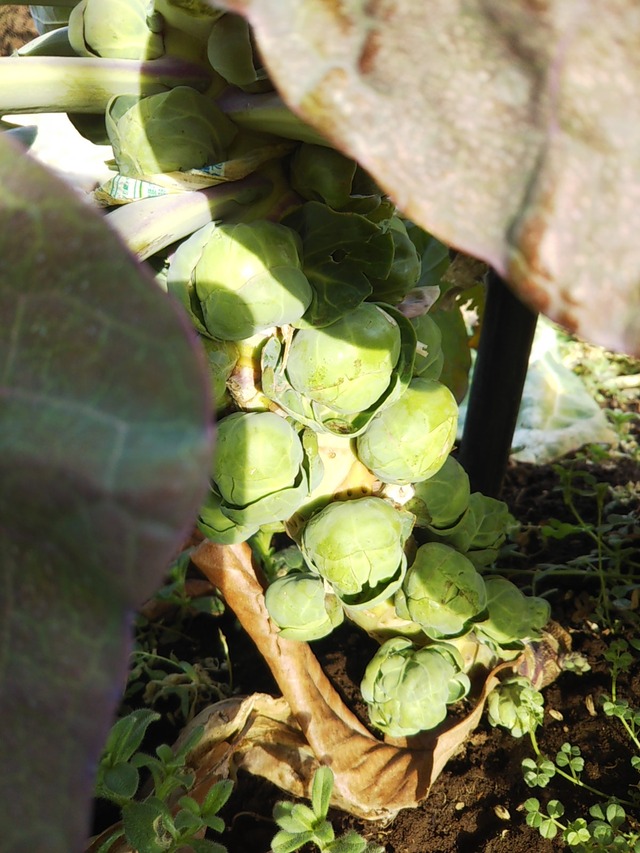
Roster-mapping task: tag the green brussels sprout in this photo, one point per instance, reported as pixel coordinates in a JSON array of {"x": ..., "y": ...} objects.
[
  {"x": 249, "y": 278},
  {"x": 263, "y": 468},
  {"x": 429, "y": 355},
  {"x": 221, "y": 358},
  {"x": 441, "y": 591},
  {"x": 516, "y": 705},
  {"x": 116, "y": 30},
  {"x": 301, "y": 607},
  {"x": 219, "y": 528},
  {"x": 492, "y": 520},
  {"x": 405, "y": 267},
  {"x": 335, "y": 378},
  {"x": 357, "y": 546},
  {"x": 407, "y": 689},
  {"x": 319, "y": 173},
  {"x": 479, "y": 532},
  {"x": 346, "y": 366},
  {"x": 513, "y": 616},
  {"x": 231, "y": 53},
  {"x": 410, "y": 440},
  {"x": 176, "y": 130},
  {"x": 441, "y": 500}
]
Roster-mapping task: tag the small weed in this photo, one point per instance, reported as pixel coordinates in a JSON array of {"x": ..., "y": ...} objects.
[
  {"x": 301, "y": 825},
  {"x": 610, "y": 558},
  {"x": 166, "y": 819},
  {"x": 611, "y": 827}
]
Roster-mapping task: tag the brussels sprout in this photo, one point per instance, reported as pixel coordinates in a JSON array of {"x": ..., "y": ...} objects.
[
  {"x": 513, "y": 616},
  {"x": 479, "y": 532},
  {"x": 175, "y": 130},
  {"x": 442, "y": 591},
  {"x": 215, "y": 525},
  {"x": 441, "y": 500},
  {"x": 116, "y": 30},
  {"x": 322, "y": 174},
  {"x": 516, "y": 705},
  {"x": 357, "y": 546},
  {"x": 231, "y": 53},
  {"x": 346, "y": 366},
  {"x": 249, "y": 278},
  {"x": 302, "y": 608},
  {"x": 410, "y": 440},
  {"x": 334, "y": 379},
  {"x": 221, "y": 357},
  {"x": 407, "y": 689},
  {"x": 263, "y": 468},
  {"x": 405, "y": 268},
  {"x": 429, "y": 355}
]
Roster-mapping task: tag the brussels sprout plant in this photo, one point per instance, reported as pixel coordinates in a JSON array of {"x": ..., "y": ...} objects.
[{"x": 335, "y": 423}]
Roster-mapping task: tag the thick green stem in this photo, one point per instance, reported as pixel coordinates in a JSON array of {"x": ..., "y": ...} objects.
[
  {"x": 151, "y": 224},
  {"x": 46, "y": 84},
  {"x": 267, "y": 113}
]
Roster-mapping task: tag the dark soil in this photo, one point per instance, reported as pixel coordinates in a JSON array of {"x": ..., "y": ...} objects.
[{"x": 16, "y": 28}]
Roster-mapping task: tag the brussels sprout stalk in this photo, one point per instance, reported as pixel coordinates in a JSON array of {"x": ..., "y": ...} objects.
[
  {"x": 151, "y": 224},
  {"x": 45, "y": 84},
  {"x": 267, "y": 113}
]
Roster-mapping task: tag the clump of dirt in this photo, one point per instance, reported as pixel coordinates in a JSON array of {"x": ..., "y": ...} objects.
[{"x": 16, "y": 28}]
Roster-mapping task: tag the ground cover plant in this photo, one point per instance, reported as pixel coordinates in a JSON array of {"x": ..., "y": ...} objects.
[{"x": 329, "y": 329}]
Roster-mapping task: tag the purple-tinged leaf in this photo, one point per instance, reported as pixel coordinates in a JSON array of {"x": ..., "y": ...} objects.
[{"x": 105, "y": 436}]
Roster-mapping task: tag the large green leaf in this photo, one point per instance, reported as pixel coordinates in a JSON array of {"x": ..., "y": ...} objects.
[
  {"x": 104, "y": 444},
  {"x": 509, "y": 129}
]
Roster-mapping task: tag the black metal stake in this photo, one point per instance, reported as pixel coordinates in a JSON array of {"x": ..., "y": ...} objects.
[{"x": 500, "y": 370}]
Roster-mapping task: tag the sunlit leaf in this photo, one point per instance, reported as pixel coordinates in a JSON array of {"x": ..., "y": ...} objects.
[
  {"x": 508, "y": 129},
  {"x": 104, "y": 446}
]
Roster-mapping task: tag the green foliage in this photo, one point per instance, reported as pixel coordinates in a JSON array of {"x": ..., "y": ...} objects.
[
  {"x": 609, "y": 558},
  {"x": 300, "y": 824},
  {"x": 609, "y": 830},
  {"x": 165, "y": 819}
]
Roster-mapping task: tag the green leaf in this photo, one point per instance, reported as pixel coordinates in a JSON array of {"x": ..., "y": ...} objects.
[
  {"x": 104, "y": 456},
  {"x": 127, "y": 734},
  {"x": 287, "y": 842},
  {"x": 351, "y": 842},
  {"x": 119, "y": 782},
  {"x": 217, "y": 796},
  {"x": 282, "y": 814},
  {"x": 202, "y": 845},
  {"x": 143, "y": 826},
  {"x": 303, "y": 814},
  {"x": 321, "y": 788},
  {"x": 471, "y": 142}
]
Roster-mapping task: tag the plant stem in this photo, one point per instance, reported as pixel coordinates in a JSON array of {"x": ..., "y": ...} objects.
[
  {"x": 152, "y": 224},
  {"x": 36, "y": 84}
]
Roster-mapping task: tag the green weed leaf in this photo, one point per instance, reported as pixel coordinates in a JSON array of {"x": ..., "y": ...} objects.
[{"x": 321, "y": 789}]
